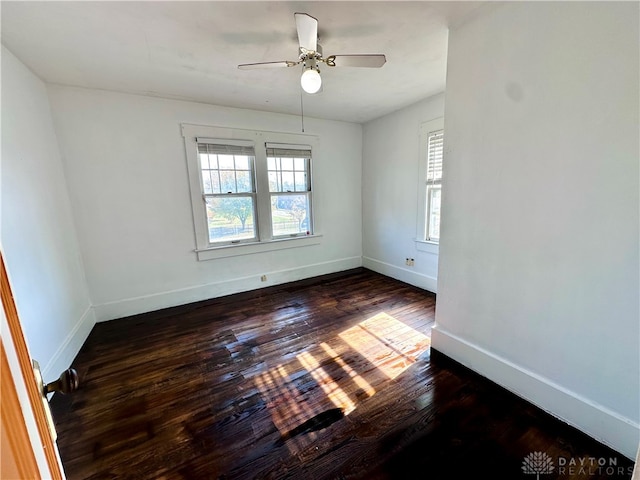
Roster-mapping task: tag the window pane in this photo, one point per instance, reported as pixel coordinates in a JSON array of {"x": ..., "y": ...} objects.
[
  {"x": 433, "y": 232},
  {"x": 299, "y": 164},
  {"x": 243, "y": 179},
  {"x": 242, "y": 162},
  {"x": 273, "y": 182},
  {"x": 230, "y": 218},
  {"x": 204, "y": 161},
  {"x": 301, "y": 181},
  {"x": 287, "y": 163},
  {"x": 290, "y": 214},
  {"x": 228, "y": 182},
  {"x": 226, "y": 162},
  {"x": 215, "y": 181},
  {"x": 206, "y": 181},
  {"x": 288, "y": 182}
]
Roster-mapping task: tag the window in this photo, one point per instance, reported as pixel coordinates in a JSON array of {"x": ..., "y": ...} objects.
[
  {"x": 435, "y": 144},
  {"x": 290, "y": 189},
  {"x": 229, "y": 192},
  {"x": 430, "y": 186},
  {"x": 251, "y": 191}
]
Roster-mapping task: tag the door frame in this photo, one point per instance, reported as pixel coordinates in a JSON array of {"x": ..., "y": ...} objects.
[{"x": 23, "y": 448}]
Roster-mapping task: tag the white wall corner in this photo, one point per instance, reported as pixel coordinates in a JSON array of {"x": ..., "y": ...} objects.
[
  {"x": 600, "y": 423},
  {"x": 404, "y": 275},
  {"x": 68, "y": 350}
]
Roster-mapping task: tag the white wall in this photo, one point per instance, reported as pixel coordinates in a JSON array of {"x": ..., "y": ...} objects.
[
  {"x": 538, "y": 277},
  {"x": 38, "y": 234},
  {"x": 127, "y": 175},
  {"x": 390, "y": 184}
]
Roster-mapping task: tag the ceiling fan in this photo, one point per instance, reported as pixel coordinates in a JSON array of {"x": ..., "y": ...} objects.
[{"x": 310, "y": 56}]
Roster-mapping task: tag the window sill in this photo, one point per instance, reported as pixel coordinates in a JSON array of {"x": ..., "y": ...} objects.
[
  {"x": 428, "y": 247},
  {"x": 257, "y": 247}
]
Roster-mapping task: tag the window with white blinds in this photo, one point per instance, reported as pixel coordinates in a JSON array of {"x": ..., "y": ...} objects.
[
  {"x": 431, "y": 159},
  {"x": 435, "y": 149},
  {"x": 228, "y": 190},
  {"x": 249, "y": 189},
  {"x": 289, "y": 171}
]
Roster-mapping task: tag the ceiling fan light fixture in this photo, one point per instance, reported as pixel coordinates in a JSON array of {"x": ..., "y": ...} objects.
[
  {"x": 310, "y": 56},
  {"x": 311, "y": 80}
]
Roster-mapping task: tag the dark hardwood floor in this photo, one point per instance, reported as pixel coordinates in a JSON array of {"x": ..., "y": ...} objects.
[{"x": 327, "y": 378}]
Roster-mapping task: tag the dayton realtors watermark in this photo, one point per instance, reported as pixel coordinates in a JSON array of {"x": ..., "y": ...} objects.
[
  {"x": 592, "y": 466},
  {"x": 539, "y": 463}
]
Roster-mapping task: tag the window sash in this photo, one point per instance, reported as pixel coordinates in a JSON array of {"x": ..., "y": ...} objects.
[
  {"x": 288, "y": 174},
  {"x": 305, "y": 224},
  {"x": 232, "y": 233},
  {"x": 435, "y": 156},
  {"x": 433, "y": 212},
  {"x": 217, "y": 176}
]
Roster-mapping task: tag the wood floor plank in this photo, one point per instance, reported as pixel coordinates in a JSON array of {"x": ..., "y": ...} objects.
[{"x": 221, "y": 389}]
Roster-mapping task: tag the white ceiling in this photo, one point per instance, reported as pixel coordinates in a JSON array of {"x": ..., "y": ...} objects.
[{"x": 190, "y": 50}]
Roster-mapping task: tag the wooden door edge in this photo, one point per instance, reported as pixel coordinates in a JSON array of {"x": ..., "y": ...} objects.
[
  {"x": 13, "y": 424},
  {"x": 26, "y": 367}
]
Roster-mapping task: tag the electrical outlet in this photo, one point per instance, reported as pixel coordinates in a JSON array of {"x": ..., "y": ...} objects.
[{"x": 263, "y": 278}]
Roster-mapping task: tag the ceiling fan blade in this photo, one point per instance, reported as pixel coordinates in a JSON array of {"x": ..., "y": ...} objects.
[
  {"x": 307, "y": 31},
  {"x": 251, "y": 66},
  {"x": 370, "y": 61}
]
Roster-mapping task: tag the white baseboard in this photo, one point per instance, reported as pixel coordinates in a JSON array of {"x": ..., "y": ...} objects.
[
  {"x": 404, "y": 275},
  {"x": 600, "y": 423},
  {"x": 157, "y": 301},
  {"x": 66, "y": 353}
]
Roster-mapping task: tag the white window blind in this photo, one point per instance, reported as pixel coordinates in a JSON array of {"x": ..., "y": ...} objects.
[
  {"x": 218, "y": 149},
  {"x": 286, "y": 151},
  {"x": 435, "y": 155}
]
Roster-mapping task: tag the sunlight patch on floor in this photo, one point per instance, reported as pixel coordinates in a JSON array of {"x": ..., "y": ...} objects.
[
  {"x": 282, "y": 397},
  {"x": 339, "y": 372},
  {"x": 361, "y": 382},
  {"x": 333, "y": 391},
  {"x": 387, "y": 343}
]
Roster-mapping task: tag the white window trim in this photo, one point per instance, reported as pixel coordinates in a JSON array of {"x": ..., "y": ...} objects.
[
  {"x": 421, "y": 223},
  {"x": 265, "y": 243},
  {"x": 211, "y": 253},
  {"x": 428, "y": 247}
]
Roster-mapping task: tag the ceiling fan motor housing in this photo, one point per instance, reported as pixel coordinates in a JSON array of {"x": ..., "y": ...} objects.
[
  {"x": 310, "y": 63},
  {"x": 310, "y": 58}
]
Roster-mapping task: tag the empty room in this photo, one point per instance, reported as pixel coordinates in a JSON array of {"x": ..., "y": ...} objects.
[{"x": 328, "y": 240}]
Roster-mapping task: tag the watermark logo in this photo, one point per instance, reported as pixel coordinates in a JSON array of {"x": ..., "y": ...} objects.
[{"x": 537, "y": 463}]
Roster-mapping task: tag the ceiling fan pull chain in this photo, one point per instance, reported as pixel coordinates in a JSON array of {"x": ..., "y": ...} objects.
[{"x": 301, "y": 111}]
